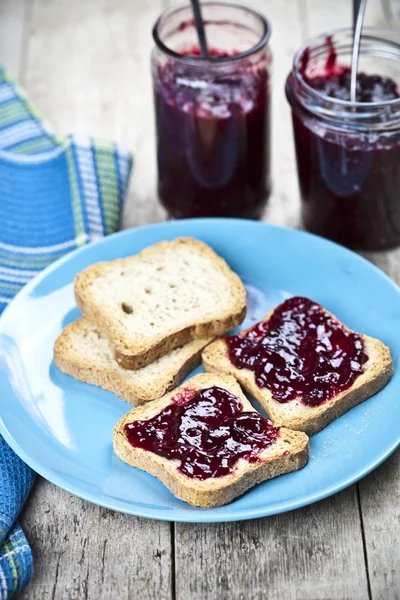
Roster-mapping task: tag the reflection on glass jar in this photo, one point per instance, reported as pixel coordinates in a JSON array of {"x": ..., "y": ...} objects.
[
  {"x": 348, "y": 154},
  {"x": 212, "y": 116}
]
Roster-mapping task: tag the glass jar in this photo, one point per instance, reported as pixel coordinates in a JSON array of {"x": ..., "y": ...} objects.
[
  {"x": 348, "y": 153},
  {"x": 212, "y": 115}
]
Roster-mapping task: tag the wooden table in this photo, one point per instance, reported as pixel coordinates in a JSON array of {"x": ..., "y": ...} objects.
[{"x": 86, "y": 65}]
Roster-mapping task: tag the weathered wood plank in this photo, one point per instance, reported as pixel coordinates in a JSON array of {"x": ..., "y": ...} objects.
[
  {"x": 286, "y": 19},
  {"x": 379, "y": 493},
  {"x": 84, "y": 551},
  {"x": 380, "y": 504},
  {"x": 311, "y": 554},
  {"x": 13, "y": 20},
  {"x": 88, "y": 71},
  {"x": 314, "y": 553},
  {"x": 380, "y": 496},
  {"x": 319, "y": 19}
]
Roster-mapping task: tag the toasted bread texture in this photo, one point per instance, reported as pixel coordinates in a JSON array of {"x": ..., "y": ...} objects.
[
  {"x": 295, "y": 414},
  {"x": 160, "y": 299},
  {"x": 288, "y": 453},
  {"x": 83, "y": 352}
]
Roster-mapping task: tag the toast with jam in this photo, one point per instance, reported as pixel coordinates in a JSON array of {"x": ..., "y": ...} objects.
[
  {"x": 84, "y": 353},
  {"x": 302, "y": 365},
  {"x": 167, "y": 295},
  {"x": 206, "y": 442}
]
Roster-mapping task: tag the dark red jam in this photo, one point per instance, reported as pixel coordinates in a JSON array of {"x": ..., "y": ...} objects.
[
  {"x": 213, "y": 138},
  {"x": 369, "y": 88},
  {"x": 300, "y": 353},
  {"x": 349, "y": 178},
  {"x": 206, "y": 431}
]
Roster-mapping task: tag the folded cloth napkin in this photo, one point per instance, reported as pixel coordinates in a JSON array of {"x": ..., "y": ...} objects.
[
  {"x": 56, "y": 194},
  {"x": 16, "y": 480}
]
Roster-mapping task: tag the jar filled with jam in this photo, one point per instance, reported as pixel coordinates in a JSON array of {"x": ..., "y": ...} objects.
[
  {"x": 212, "y": 113},
  {"x": 348, "y": 153}
]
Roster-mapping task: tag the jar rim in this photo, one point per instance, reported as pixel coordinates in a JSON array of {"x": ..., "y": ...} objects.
[
  {"x": 215, "y": 60},
  {"x": 379, "y": 33}
]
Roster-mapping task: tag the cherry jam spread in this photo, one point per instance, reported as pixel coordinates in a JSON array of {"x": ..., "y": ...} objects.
[
  {"x": 206, "y": 431},
  {"x": 369, "y": 88},
  {"x": 334, "y": 80},
  {"x": 301, "y": 352},
  {"x": 213, "y": 137}
]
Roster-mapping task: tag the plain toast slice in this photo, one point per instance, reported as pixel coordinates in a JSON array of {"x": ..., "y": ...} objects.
[
  {"x": 295, "y": 414},
  {"x": 83, "y": 352},
  {"x": 288, "y": 453},
  {"x": 160, "y": 299}
]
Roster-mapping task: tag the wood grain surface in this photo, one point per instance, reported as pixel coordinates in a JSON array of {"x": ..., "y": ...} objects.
[{"x": 85, "y": 63}]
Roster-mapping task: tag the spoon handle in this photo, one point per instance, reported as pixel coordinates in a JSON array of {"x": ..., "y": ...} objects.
[
  {"x": 358, "y": 19},
  {"x": 201, "y": 33},
  {"x": 356, "y": 10}
]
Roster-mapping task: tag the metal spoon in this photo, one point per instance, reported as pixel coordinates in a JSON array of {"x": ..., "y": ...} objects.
[
  {"x": 201, "y": 33},
  {"x": 358, "y": 19}
]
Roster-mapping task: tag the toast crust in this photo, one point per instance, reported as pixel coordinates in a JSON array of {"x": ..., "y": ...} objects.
[
  {"x": 136, "y": 387},
  {"x": 137, "y": 354},
  {"x": 219, "y": 490},
  {"x": 296, "y": 415}
]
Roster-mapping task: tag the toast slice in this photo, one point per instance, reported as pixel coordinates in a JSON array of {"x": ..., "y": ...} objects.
[
  {"x": 295, "y": 414},
  {"x": 160, "y": 299},
  {"x": 288, "y": 452},
  {"x": 83, "y": 352}
]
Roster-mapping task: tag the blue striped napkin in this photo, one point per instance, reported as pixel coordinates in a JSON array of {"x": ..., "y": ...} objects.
[
  {"x": 56, "y": 194},
  {"x": 16, "y": 565}
]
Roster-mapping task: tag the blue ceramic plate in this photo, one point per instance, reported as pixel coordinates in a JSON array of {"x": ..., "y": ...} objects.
[{"x": 62, "y": 428}]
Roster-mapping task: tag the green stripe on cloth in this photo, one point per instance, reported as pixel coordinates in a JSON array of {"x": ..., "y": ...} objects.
[
  {"x": 15, "y": 570},
  {"x": 15, "y": 564},
  {"x": 12, "y": 287},
  {"x": 13, "y": 111},
  {"x": 108, "y": 181},
  {"x": 80, "y": 235},
  {"x": 30, "y": 107},
  {"x": 51, "y": 202},
  {"x": 39, "y": 261},
  {"x": 33, "y": 146}
]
